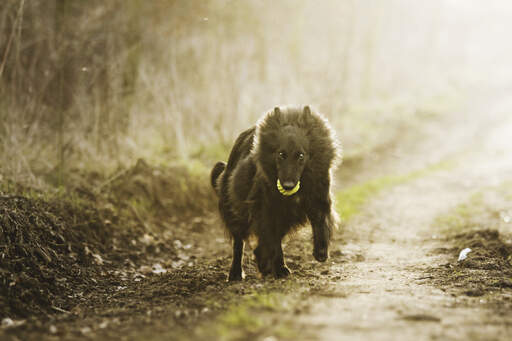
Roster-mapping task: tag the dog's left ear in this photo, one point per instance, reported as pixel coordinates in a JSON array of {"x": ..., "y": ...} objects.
[{"x": 307, "y": 110}]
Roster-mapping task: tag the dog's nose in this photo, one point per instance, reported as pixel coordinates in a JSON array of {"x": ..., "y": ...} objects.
[{"x": 288, "y": 185}]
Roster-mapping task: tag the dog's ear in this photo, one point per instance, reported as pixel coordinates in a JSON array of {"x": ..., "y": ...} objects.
[
  {"x": 275, "y": 116},
  {"x": 307, "y": 117},
  {"x": 271, "y": 121}
]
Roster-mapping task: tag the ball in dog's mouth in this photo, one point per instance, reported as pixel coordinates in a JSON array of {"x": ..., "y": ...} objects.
[{"x": 287, "y": 192}]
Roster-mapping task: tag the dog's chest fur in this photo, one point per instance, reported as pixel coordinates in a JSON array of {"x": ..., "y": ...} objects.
[{"x": 288, "y": 212}]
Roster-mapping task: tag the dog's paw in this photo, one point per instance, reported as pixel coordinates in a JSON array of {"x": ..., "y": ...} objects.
[
  {"x": 235, "y": 276},
  {"x": 321, "y": 254},
  {"x": 281, "y": 272},
  {"x": 263, "y": 262},
  {"x": 264, "y": 267}
]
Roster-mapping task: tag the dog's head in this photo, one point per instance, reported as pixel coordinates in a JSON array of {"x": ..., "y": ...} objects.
[
  {"x": 291, "y": 156},
  {"x": 282, "y": 147}
]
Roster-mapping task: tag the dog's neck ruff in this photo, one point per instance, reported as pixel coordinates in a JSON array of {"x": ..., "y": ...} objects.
[{"x": 287, "y": 192}]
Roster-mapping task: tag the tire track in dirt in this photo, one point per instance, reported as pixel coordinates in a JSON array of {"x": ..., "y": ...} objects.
[{"x": 385, "y": 296}]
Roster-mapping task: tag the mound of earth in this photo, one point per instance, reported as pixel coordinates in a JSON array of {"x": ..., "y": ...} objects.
[
  {"x": 49, "y": 251},
  {"x": 488, "y": 251},
  {"x": 55, "y": 254},
  {"x": 486, "y": 273}
]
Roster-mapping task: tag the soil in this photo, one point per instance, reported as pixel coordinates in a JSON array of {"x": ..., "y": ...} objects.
[
  {"x": 143, "y": 255},
  {"x": 487, "y": 271}
]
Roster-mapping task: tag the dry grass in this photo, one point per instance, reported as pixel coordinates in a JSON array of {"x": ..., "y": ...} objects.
[{"x": 96, "y": 85}]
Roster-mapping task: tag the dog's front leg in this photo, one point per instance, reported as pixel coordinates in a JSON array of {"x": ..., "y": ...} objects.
[
  {"x": 264, "y": 251},
  {"x": 279, "y": 269},
  {"x": 269, "y": 252},
  {"x": 322, "y": 224},
  {"x": 269, "y": 257}
]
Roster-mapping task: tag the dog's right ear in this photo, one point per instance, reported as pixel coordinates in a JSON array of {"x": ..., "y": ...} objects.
[{"x": 277, "y": 111}]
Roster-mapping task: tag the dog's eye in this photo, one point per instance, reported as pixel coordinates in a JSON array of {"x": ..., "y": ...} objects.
[
  {"x": 282, "y": 155},
  {"x": 301, "y": 156}
]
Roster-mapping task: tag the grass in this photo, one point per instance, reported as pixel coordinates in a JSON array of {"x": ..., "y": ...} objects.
[
  {"x": 9, "y": 187},
  {"x": 104, "y": 108},
  {"x": 459, "y": 218},
  {"x": 506, "y": 189},
  {"x": 351, "y": 200},
  {"x": 238, "y": 319},
  {"x": 251, "y": 315},
  {"x": 484, "y": 209}
]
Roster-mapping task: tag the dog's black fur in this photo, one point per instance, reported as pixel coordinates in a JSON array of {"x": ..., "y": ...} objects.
[{"x": 289, "y": 144}]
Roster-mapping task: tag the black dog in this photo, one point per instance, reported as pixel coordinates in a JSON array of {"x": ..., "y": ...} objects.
[{"x": 277, "y": 178}]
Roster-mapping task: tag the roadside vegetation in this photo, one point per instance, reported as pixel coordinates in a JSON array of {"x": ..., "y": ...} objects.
[{"x": 90, "y": 88}]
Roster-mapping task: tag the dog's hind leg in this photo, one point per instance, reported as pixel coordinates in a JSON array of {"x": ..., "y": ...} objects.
[{"x": 236, "y": 272}]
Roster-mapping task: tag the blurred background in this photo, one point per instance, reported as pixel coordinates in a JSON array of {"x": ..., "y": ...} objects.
[{"x": 95, "y": 85}]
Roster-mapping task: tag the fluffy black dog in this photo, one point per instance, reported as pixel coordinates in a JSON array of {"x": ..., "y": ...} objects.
[{"x": 277, "y": 178}]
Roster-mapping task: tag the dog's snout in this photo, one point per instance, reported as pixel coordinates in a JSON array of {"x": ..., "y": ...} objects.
[{"x": 288, "y": 185}]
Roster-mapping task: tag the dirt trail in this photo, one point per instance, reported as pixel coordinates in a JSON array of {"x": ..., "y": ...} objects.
[
  {"x": 387, "y": 296},
  {"x": 170, "y": 282}
]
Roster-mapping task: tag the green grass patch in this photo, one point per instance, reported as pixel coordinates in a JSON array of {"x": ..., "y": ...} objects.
[
  {"x": 238, "y": 319},
  {"x": 506, "y": 190},
  {"x": 251, "y": 315},
  {"x": 351, "y": 200},
  {"x": 460, "y": 217},
  {"x": 485, "y": 208},
  {"x": 51, "y": 194},
  {"x": 211, "y": 152}
]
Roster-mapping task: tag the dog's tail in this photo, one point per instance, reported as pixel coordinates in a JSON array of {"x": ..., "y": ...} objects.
[{"x": 215, "y": 173}]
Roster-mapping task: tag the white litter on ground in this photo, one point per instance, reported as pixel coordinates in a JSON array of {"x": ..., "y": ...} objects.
[
  {"x": 10, "y": 323},
  {"x": 464, "y": 254}
]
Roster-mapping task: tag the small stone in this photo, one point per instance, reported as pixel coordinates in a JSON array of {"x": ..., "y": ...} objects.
[
  {"x": 86, "y": 330},
  {"x": 177, "y": 244},
  {"x": 7, "y": 322},
  {"x": 158, "y": 269}
]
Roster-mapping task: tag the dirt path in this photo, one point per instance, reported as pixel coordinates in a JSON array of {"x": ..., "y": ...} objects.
[
  {"x": 387, "y": 296},
  {"x": 170, "y": 282}
]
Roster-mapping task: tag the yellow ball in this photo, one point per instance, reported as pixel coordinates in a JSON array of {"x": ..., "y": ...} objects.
[{"x": 287, "y": 192}]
